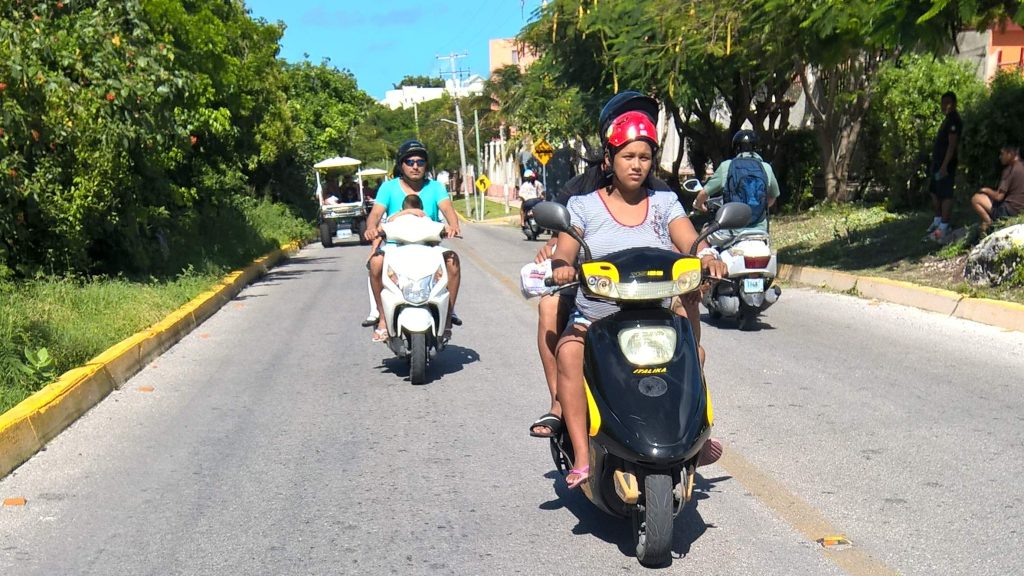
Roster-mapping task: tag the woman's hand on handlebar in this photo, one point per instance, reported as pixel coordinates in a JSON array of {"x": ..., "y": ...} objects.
[
  {"x": 562, "y": 273},
  {"x": 715, "y": 268}
]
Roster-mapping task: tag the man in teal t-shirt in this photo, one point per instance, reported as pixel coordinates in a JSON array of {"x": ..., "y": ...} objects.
[
  {"x": 411, "y": 169},
  {"x": 391, "y": 195}
]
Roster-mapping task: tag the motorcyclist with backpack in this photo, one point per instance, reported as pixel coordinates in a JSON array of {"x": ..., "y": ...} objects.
[{"x": 746, "y": 178}]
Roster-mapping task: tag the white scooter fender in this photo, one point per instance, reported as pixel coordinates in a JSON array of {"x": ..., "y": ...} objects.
[{"x": 415, "y": 320}]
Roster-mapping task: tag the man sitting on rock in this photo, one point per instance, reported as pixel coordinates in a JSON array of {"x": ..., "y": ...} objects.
[{"x": 1008, "y": 199}]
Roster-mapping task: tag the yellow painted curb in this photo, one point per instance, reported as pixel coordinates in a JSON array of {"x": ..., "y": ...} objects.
[
  {"x": 831, "y": 279},
  {"x": 36, "y": 420},
  {"x": 1006, "y": 315},
  {"x": 907, "y": 294}
]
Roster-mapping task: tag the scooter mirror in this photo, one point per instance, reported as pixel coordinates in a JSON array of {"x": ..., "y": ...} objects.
[
  {"x": 553, "y": 216},
  {"x": 692, "y": 186},
  {"x": 733, "y": 215}
]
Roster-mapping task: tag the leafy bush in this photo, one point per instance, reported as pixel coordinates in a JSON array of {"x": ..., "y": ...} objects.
[
  {"x": 905, "y": 117},
  {"x": 989, "y": 124}
]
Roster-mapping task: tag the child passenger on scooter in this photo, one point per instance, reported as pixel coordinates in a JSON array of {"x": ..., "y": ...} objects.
[
  {"x": 412, "y": 205},
  {"x": 625, "y": 214}
]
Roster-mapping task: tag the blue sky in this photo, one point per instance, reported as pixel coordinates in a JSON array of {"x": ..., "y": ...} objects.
[{"x": 382, "y": 41}]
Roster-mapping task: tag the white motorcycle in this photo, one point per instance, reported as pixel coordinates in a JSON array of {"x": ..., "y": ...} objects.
[
  {"x": 415, "y": 295},
  {"x": 749, "y": 287}
]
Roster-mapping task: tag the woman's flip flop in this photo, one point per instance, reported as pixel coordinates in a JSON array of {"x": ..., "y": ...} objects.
[{"x": 582, "y": 475}]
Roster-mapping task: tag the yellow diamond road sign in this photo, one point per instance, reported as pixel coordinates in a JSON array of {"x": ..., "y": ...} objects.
[
  {"x": 483, "y": 183},
  {"x": 543, "y": 151}
]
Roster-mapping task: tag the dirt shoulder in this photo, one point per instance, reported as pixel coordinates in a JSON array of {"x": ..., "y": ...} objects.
[{"x": 874, "y": 242}]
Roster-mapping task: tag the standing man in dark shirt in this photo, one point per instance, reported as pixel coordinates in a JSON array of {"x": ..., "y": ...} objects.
[{"x": 942, "y": 170}]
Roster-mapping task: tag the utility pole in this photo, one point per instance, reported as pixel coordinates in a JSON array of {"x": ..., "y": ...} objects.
[
  {"x": 416, "y": 116},
  {"x": 458, "y": 120},
  {"x": 479, "y": 171}
]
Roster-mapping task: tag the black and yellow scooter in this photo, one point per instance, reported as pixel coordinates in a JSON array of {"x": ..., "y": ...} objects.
[{"x": 649, "y": 409}]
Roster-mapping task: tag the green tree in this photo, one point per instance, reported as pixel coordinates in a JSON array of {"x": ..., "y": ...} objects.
[
  {"x": 420, "y": 81},
  {"x": 840, "y": 45}
]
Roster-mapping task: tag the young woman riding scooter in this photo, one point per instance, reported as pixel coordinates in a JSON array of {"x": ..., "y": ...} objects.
[
  {"x": 552, "y": 310},
  {"x": 624, "y": 214}
]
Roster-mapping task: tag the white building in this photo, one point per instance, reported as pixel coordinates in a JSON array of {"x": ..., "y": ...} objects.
[{"x": 408, "y": 96}]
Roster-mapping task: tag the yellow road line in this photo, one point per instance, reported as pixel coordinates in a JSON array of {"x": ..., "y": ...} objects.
[{"x": 800, "y": 515}]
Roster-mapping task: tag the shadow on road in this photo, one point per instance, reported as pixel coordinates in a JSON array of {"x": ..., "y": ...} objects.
[
  {"x": 271, "y": 278},
  {"x": 689, "y": 526},
  {"x": 453, "y": 359},
  {"x": 724, "y": 323}
]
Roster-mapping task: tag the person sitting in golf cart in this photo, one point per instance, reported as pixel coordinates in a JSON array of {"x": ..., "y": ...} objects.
[
  {"x": 350, "y": 190},
  {"x": 331, "y": 192}
]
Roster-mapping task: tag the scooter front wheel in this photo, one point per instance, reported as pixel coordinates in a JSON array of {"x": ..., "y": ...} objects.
[
  {"x": 418, "y": 358},
  {"x": 652, "y": 521}
]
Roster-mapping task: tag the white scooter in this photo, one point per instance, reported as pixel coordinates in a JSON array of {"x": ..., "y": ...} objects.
[
  {"x": 749, "y": 287},
  {"x": 415, "y": 295}
]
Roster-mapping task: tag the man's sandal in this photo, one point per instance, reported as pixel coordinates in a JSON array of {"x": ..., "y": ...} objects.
[
  {"x": 380, "y": 335},
  {"x": 582, "y": 475},
  {"x": 550, "y": 421}
]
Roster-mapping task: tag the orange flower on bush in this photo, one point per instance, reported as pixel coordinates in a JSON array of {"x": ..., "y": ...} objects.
[{"x": 110, "y": 96}]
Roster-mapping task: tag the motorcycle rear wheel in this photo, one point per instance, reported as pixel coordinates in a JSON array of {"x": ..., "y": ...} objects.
[
  {"x": 652, "y": 522},
  {"x": 418, "y": 358}
]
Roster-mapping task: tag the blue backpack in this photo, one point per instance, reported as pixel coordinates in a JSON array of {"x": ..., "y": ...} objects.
[{"x": 747, "y": 182}]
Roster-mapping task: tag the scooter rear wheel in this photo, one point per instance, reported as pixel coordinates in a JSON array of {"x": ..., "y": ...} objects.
[
  {"x": 747, "y": 318},
  {"x": 652, "y": 521}
]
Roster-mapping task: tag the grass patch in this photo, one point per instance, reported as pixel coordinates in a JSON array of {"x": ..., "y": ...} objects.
[
  {"x": 492, "y": 209},
  {"x": 51, "y": 325},
  {"x": 870, "y": 241}
]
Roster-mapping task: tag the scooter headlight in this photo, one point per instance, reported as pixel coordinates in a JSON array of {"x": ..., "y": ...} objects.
[
  {"x": 648, "y": 346},
  {"x": 416, "y": 291}
]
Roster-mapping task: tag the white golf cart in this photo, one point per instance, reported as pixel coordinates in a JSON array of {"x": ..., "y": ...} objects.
[{"x": 342, "y": 214}]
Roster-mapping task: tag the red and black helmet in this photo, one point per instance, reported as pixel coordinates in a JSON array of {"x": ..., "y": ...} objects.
[
  {"x": 630, "y": 127},
  {"x": 627, "y": 101}
]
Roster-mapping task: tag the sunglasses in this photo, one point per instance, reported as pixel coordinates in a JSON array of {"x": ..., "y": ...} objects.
[{"x": 415, "y": 162}]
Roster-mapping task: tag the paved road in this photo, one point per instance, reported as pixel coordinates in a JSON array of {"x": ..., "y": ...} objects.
[{"x": 277, "y": 439}]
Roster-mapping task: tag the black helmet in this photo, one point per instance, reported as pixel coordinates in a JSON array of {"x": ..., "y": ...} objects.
[
  {"x": 410, "y": 148},
  {"x": 744, "y": 141},
  {"x": 623, "y": 102}
]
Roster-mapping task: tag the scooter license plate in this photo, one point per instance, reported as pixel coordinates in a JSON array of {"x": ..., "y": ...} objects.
[{"x": 753, "y": 285}]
